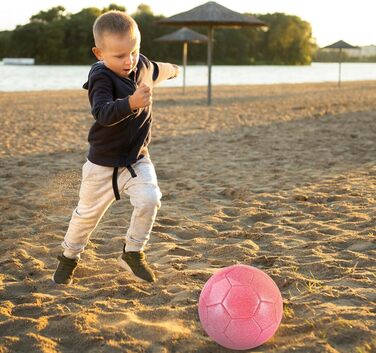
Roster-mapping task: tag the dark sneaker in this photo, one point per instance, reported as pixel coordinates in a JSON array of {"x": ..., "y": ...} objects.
[
  {"x": 65, "y": 270},
  {"x": 135, "y": 263}
]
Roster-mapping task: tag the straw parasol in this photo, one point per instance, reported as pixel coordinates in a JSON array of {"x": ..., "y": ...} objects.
[
  {"x": 185, "y": 36},
  {"x": 340, "y": 45},
  {"x": 211, "y": 15}
]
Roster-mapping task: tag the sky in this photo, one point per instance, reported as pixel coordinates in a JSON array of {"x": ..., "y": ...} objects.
[{"x": 350, "y": 20}]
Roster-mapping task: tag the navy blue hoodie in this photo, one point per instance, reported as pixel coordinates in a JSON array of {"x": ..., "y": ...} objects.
[{"x": 120, "y": 136}]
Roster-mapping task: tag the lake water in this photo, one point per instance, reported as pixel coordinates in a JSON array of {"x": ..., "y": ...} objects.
[{"x": 43, "y": 77}]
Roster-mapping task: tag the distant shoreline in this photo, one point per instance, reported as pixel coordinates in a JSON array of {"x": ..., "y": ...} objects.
[
  {"x": 36, "y": 78},
  {"x": 202, "y": 88}
]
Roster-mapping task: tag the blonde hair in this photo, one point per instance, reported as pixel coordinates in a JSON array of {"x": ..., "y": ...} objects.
[{"x": 114, "y": 22}]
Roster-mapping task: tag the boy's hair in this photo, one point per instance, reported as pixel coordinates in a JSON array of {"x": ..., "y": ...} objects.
[{"x": 113, "y": 22}]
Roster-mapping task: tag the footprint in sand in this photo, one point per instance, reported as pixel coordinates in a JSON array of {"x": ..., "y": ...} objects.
[
  {"x": 361, "y": 246},
  {"x": 170, "y": 226},
  {"x": 264, "y": 261},
  {"x": 168, "y": 221},
  {"x": 231, "y": 212},
  {"x": 178, "y": 251},
  {"x": 186, "y": 235}
]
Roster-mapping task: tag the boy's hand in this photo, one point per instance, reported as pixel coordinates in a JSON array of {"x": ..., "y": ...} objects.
[
  {"x": 177, "y": 70},
  {"x": 141, "y": 98}
]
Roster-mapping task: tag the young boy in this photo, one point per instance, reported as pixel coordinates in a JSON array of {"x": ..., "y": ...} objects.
[{"x": 119, "y": 89}]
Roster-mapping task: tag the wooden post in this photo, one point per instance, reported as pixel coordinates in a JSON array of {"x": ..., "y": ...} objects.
[
  {"x": 210, "y": 49},
  {"x": 185, "y": 53},
  {"x": 339, "y": 68}
]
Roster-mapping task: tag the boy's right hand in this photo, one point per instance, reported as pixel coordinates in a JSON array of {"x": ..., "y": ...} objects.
[{"x": 141, "y": 98}]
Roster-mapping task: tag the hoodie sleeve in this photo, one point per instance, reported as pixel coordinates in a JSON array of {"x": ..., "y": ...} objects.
[
  {"x": 106, "y": 111},
  {"x": 163, "y": 71}
]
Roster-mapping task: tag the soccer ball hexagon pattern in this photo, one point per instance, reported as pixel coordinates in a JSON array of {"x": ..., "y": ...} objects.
[{"x": 240, "y": 307}]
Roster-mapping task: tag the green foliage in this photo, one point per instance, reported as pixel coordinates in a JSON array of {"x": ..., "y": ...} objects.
[
  {"x": 288, "y": 40},
  {"x": 27, "y": 40},
  {"x": 57, "y": 37},
  {"x": 78, "y": 38},
  {"x": 5, "y": 43},
  {"x": 144, "y": 9},
  {"x": 230, "y": 47},
  {"x": 114, "y": 7},
  {"x": 54, "y": 14},
  {"x": 327, "y": 55}
]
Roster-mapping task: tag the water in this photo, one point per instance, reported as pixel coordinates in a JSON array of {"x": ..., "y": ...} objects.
[{"x": 43, "y": 77}]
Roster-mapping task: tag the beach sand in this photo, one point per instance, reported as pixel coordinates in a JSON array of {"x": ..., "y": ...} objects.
[{"x": 281, "y": 177}]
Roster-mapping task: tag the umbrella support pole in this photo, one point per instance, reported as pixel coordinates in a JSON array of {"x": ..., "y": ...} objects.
[
  {"x": 339, "y": 67},
  {"x": 210, "y": 50},
  {"x": 211, "y": 15},
  {"x": 185, "y": 54}
]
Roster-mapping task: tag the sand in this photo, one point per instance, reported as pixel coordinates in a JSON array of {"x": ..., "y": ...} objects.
[{"x": 281, "y": 177}]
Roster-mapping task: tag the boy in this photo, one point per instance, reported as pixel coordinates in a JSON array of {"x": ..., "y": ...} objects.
[{"x": 118, "y": 160}]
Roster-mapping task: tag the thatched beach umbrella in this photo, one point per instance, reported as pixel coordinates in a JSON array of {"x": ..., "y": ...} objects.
[
  {"x": 340, "y": 45},
  {"x": 211, "y": 15},
  {"x": 185, "y": 36}
]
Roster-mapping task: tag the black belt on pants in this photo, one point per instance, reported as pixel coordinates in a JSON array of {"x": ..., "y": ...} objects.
[{"x": 114, "y": 180}]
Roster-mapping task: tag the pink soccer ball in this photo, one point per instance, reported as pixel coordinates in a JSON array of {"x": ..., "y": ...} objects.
[{"x": 240, "y": 307}]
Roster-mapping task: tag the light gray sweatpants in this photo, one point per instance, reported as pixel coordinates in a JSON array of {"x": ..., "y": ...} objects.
[{"x": 96, "y": 196}]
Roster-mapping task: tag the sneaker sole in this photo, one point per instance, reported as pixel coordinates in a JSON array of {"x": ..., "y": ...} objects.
[
  {"x": 126, "y": 267},
  {"x": 66, "y": 284}
]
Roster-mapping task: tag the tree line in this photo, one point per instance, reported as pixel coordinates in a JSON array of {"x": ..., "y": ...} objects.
[
  {"x": 58, "y": 37},
  {"x": 333, "y": 55}
]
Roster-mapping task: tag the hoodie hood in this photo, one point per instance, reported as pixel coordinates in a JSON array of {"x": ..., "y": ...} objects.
[{"x": 96, "y": 68}]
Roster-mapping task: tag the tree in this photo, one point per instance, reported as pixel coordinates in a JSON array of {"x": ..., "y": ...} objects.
[
  {"x": 54, "y": 14},
  {"x": 5, "y": 43},
  {"x": 50, "y": 45},
  {"x": 27, "y": 38},
  {"x": 112, "y": 7},
  {"x": 79, "y": 37},
  {"x": 143, "y": 9},
  {"x": 150, "y": 30},
  {"x": 288, "y": 40},
  {"x": 232, "y": 46},
  {"x": 57, "y": 37}
]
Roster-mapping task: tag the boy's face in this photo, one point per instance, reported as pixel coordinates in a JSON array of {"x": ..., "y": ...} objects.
[{"x": 119, "y": 52}]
